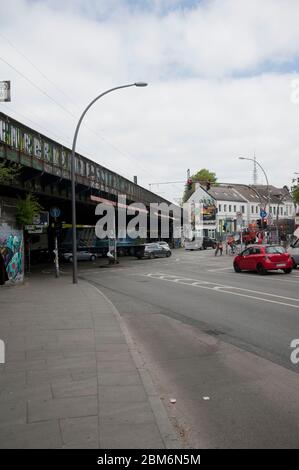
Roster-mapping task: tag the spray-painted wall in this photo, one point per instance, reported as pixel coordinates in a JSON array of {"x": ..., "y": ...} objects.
[
  {"x": 12, "y": 247},
  {"x": 11, "y": 241}
]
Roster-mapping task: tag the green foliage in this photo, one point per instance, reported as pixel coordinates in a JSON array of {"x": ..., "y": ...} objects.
[
  {"x": 27, "y": 209},
  {"x": 202, "y": 176},
  {"x": 295, "y": 194},
  {"x": 8, "y": 173}
]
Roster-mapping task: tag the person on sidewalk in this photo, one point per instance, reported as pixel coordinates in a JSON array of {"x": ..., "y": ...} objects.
[
  {"x": 3, "y": 272},
  {"x": 219, "y": 247}
]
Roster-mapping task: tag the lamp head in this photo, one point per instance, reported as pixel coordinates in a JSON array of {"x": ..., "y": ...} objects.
[{"x": 140, "y": 84}]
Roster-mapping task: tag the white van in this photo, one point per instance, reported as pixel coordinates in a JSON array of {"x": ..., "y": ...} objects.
[{"x": 293, "y": 251}]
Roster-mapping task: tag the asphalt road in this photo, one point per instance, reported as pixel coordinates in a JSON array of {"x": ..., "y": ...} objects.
[{"x": 216, "y": 341}]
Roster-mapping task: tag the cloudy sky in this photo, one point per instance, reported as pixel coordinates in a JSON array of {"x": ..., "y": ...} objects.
[{"x": 221, "y": 75}]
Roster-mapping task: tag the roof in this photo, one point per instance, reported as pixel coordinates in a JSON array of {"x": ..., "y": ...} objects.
[
  {"x": 226, "y": 193},
  {"x": 253, "y": 194}
]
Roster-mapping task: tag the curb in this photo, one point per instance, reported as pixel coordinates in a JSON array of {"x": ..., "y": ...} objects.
[{"x": 167, "y": 432}]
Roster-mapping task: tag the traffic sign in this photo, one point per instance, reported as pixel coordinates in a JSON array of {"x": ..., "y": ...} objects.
[
  {"x": 263, "y": 213},
  {"x": 55, "y": 212}
]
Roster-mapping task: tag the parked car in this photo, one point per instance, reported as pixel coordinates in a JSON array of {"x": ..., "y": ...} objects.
[
  {"x": 263, "y": 258},
  {"x": 209, "y": 242},
  {"x": 164, "y": 244},
  {"x": 293, "y": 251},
  {"x": 81, "y": 256},
  {"x": 152, "y": 250}
]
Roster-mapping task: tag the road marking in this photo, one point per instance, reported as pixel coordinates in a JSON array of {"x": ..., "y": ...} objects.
[
  {"x": 219, "y": 269},
  {"x": 277, "y": 277},
  {"x": 224, "y": 289}
]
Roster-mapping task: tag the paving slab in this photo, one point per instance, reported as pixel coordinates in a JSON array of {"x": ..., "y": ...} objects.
[{"x": 71, "y": 378}]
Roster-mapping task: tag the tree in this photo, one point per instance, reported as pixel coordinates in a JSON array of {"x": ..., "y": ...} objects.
[
  {"x": 27, "y": 209},
  {"x": 8, "y": 173},
  {"x": 295, "y": 194},
  {"x": 204, "y": 177}
]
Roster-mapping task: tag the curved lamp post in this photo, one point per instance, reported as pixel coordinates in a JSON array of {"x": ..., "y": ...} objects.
[
  {"x": 74, "y": 233},
  {"x": 268, "y": 188}
]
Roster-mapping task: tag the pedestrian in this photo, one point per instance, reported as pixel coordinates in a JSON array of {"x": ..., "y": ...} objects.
[
  {"x": 219, "y": 247},
  {"x": 3, "y": 272},
  {"x": 283, "y": 239}
]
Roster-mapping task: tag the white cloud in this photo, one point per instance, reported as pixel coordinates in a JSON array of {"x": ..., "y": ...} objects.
[{"x": 210, "y": 97}]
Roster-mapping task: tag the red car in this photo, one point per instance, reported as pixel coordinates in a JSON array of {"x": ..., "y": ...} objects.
[{"x": 263, "y": 258}]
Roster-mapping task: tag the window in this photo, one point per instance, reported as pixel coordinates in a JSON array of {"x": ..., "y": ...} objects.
[
  {"x": 224, "y": 209},
  {"x": 281, "y": 210},
  {"x": 235, "y": 208},
  {"x": 219, "y": 207},
  {"x": 256, "y": 210},
  {"x": 275, "y": 249},
  {"x": 252, "y": 209},
  {"x": 243, "y": 209},
  {"x": 229, "y": 208}
]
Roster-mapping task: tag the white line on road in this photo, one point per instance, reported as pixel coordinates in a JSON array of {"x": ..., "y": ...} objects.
[
  {"x": 219, "y": 269},
  {"x": 224, "y": 289}
]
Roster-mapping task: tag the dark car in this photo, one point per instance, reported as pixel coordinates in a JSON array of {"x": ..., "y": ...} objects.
[
  {"x": 152, "y": 250},
  {"x": 263, "y": 258},
  {"x": 209, "y": 242}
]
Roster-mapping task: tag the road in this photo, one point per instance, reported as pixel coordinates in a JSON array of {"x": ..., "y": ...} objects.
[{"x": 216, "y": 341}]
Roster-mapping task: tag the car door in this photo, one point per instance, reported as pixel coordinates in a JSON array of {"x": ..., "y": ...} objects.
[
  {"x": 244, "y": 261},
  {"x": 159, "y": 251},
  {"x": 256, "y": 256}
]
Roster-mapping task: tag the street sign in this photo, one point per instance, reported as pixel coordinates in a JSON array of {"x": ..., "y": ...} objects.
[
  {"x": 41, "y": 219},
  {"x": 5, "y": 90},
  {"x": 263, "y": 214},
  {"x": 34, "y": 229},
  {"x": 55, "y": 212}
]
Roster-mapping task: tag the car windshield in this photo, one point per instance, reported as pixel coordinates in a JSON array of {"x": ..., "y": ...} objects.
[{"x": 275, "y": 250}]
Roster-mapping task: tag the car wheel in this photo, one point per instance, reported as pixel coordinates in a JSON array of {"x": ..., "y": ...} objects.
[
  {"x": 168, "y": 254},
  {"x": 237, "y": 268},
  {"x": 93, "y": 258},
  {"x": 260, "y": 269},
  {"x": 288, "y": 270},
  {"x": 151, "y": 256}
]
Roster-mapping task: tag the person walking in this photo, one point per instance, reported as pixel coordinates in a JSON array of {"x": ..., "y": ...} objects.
[
  {"x": 219, "y": 247},
  {"x": 3, "y": 272}
]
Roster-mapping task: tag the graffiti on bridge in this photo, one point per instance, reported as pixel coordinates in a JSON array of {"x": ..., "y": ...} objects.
[{"x": 11, "y": 248}]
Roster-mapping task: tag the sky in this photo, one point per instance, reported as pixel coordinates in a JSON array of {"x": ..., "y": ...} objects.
[{"x": 223, "y": 82}]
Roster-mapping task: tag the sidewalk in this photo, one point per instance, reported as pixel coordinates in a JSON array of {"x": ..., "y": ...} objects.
[{"x": 72, "y": 378}]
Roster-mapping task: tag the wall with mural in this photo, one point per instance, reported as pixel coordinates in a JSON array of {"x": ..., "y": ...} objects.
[{"x": 11, "y": 247}]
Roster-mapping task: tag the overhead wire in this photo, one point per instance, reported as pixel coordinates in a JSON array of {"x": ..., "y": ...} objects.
[{"x": 70, "y": 114}]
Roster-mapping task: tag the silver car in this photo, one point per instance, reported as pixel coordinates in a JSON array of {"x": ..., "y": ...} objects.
[{"x": 81, "y": 256}]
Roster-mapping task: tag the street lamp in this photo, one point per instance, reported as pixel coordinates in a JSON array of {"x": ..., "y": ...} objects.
[
  {"x": 74, "y": 234},
  {"x": 268, "y": 188}
]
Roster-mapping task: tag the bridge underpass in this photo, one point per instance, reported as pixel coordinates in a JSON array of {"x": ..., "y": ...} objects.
[{"x": 44, "y": 170}]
